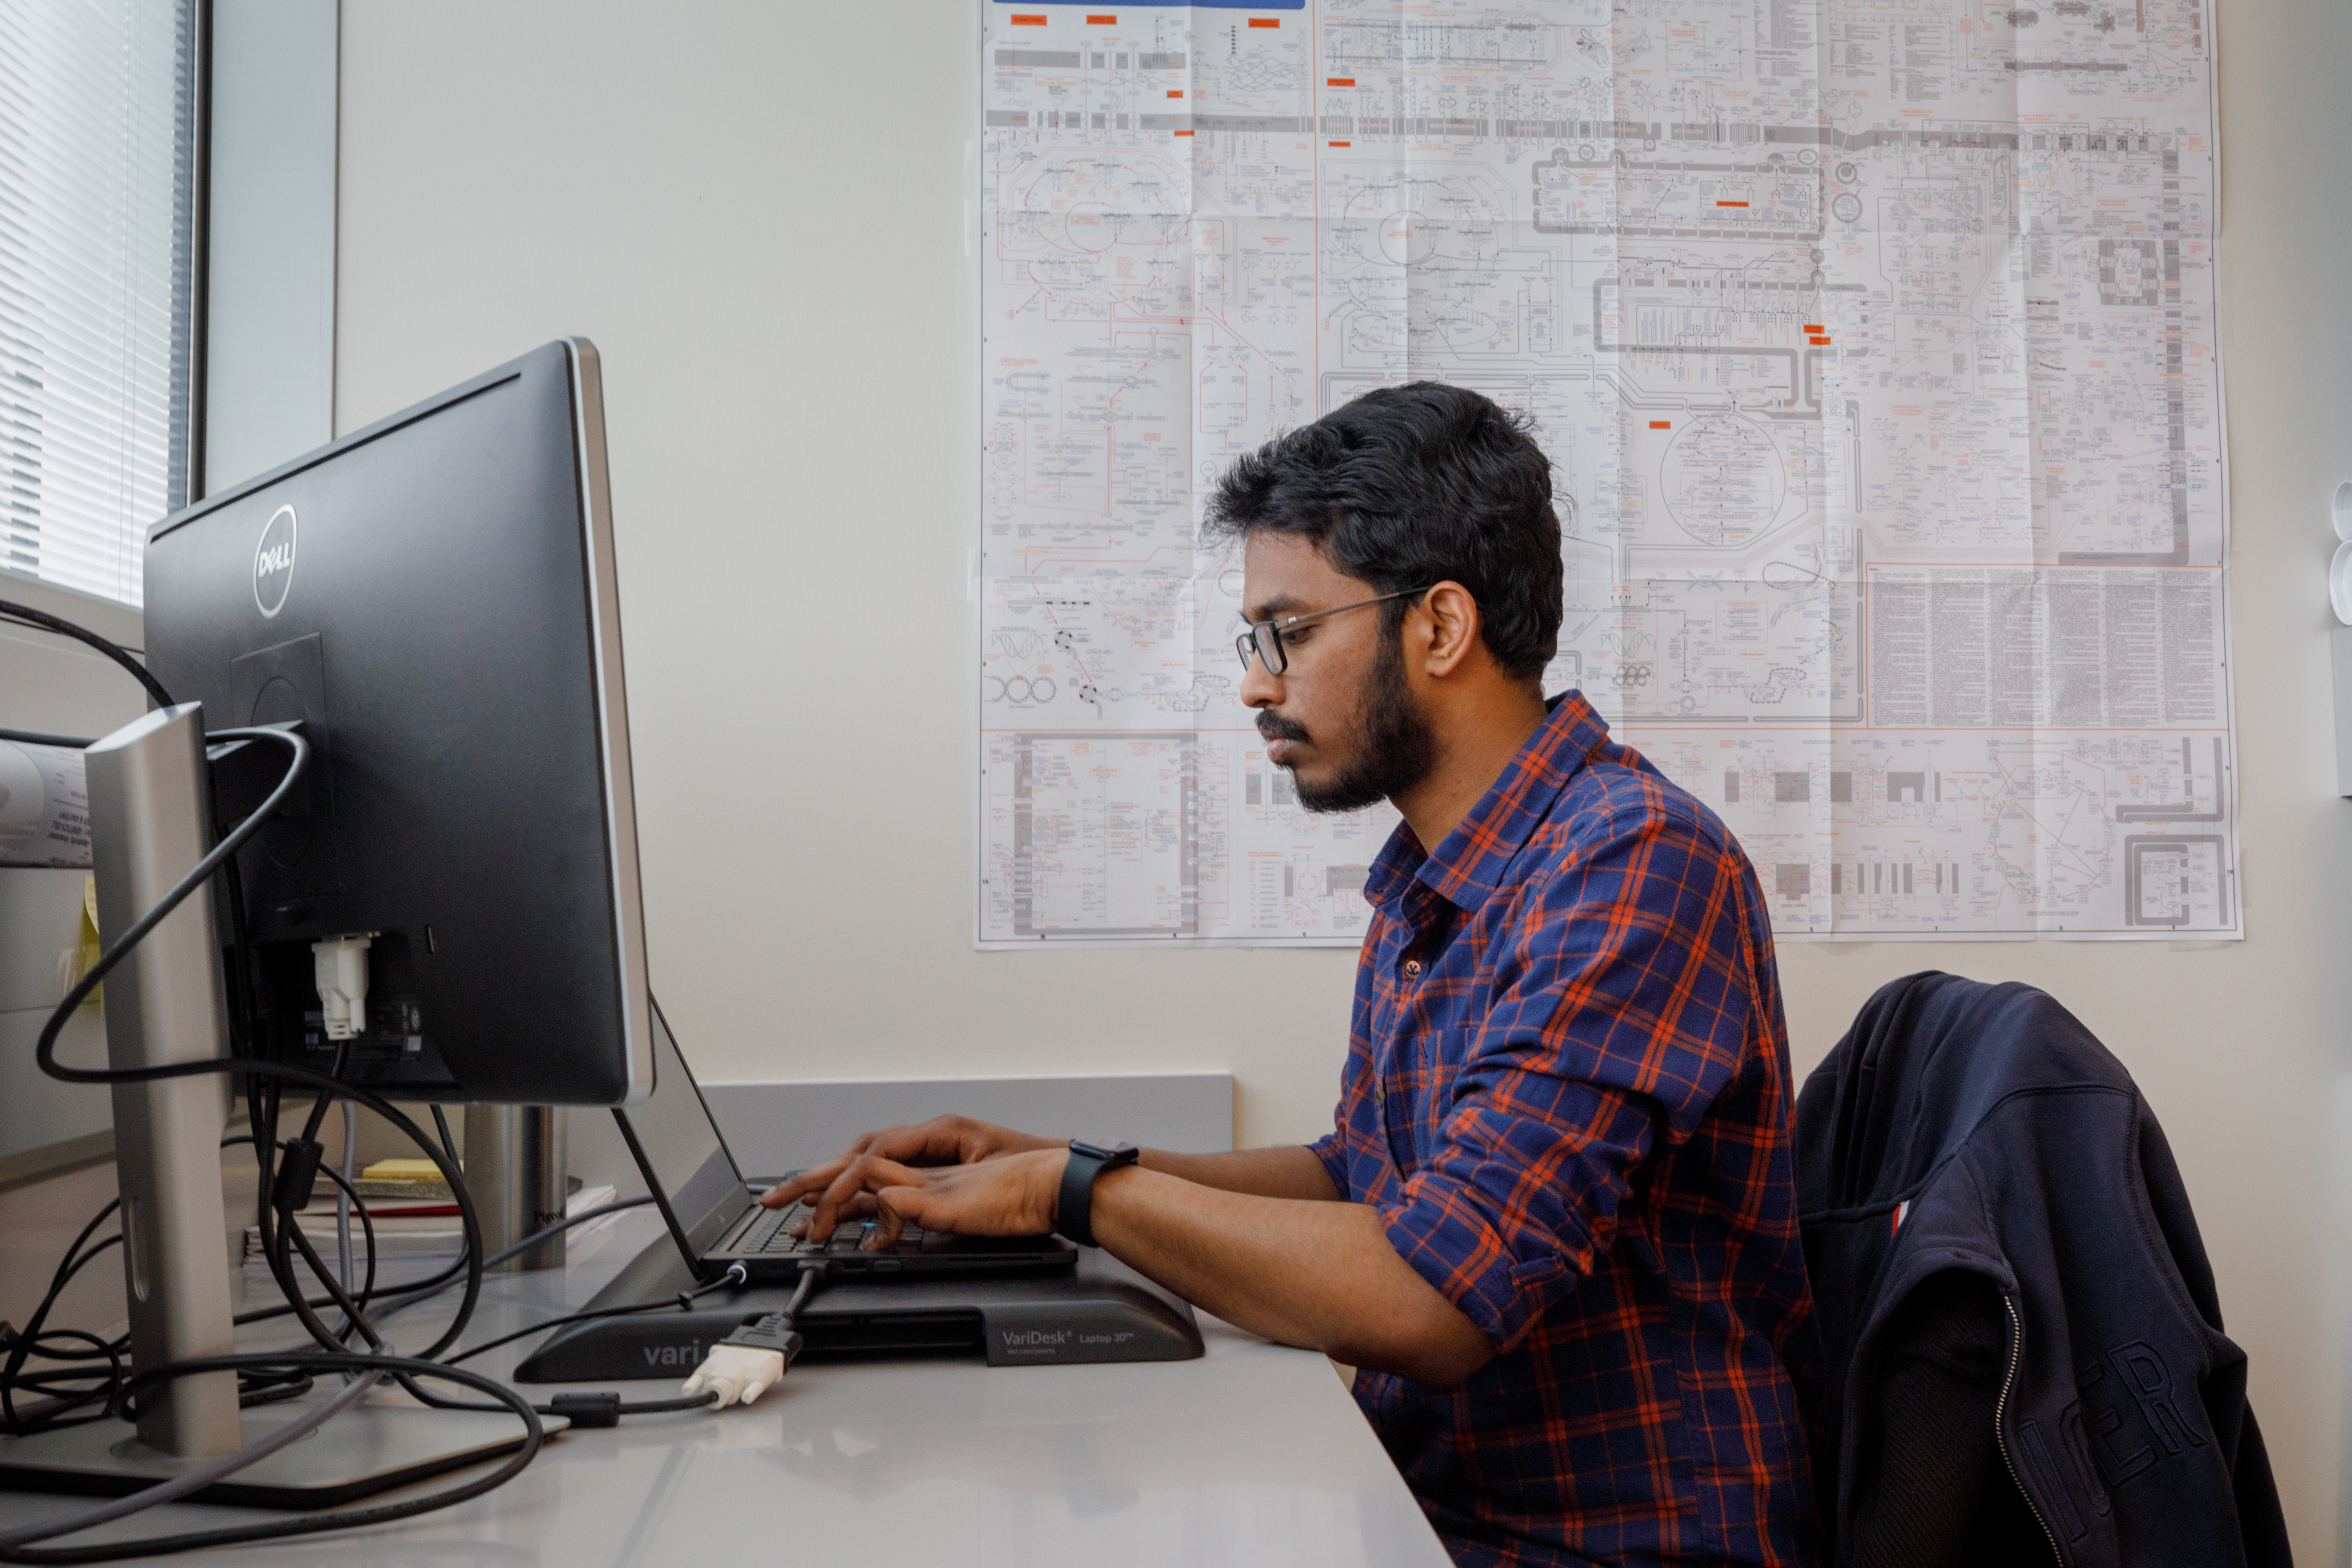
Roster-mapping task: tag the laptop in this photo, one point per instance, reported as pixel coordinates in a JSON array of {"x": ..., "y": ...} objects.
[{"x": 717, "y": 1221}]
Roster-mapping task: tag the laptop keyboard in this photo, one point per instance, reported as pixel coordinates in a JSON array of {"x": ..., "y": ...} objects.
[{"x": 772, "y": 1236}]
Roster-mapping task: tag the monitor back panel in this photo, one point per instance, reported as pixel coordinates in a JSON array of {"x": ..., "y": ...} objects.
[{"x": 419, "y": 594}]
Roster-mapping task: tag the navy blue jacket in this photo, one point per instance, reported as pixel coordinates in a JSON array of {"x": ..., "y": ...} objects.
[{"x": 1982, "y": 1129}]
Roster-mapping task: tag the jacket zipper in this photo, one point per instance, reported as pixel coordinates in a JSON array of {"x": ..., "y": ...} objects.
[{"x": 2000, "y": 1432}]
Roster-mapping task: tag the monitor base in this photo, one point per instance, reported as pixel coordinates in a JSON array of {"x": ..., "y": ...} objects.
[{"x": 366, "y": 1450}]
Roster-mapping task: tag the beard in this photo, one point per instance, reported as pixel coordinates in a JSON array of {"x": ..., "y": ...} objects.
[{"x": 1394, "y": 746}]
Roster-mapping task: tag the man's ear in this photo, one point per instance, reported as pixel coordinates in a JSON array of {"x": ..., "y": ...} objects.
[{"x": 1452, "y": 627}]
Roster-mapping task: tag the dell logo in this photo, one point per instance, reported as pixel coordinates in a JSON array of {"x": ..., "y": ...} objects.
[{"x": 273, "y": 561}]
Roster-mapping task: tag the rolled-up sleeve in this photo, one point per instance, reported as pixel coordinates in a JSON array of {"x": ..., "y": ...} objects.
[
  {"x": 1619, "y": 1012},
  {"x": 1332, "y": 1149}
]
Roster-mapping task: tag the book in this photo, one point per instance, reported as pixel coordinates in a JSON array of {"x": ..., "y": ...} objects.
[{"x": 406, "y": 1180}]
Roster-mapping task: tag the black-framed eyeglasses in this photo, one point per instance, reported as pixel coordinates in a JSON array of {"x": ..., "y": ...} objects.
[{"x": 1266, "y": 637}]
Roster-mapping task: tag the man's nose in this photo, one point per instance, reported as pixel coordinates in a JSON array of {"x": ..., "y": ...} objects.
[{"x": 1259, "y": 688}]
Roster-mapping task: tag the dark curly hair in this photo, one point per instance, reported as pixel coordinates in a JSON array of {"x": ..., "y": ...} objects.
[{"x": 1410, "y": 486}]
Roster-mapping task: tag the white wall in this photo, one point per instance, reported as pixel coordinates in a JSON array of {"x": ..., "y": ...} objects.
[{"x": 761, "y": 215}]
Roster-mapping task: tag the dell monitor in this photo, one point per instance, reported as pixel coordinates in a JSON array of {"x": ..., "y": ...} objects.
[{"x": 449, "y": 906}]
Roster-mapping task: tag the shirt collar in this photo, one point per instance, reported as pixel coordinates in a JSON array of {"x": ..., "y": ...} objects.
[{"x": 1469, "y": 863}]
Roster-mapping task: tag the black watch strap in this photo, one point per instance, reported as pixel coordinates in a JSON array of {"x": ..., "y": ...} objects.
[{"x": 1074, "y": 1212}]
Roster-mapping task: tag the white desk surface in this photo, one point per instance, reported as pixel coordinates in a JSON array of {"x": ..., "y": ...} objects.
[{"x": 1254, "y": 1455}]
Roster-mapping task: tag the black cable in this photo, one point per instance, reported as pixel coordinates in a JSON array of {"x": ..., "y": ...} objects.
[
  {"x": 560, "y": 1226},
  {"x": 31, "y": 1343},
  {"x": 534, "y": 1438},
  {"x": 656, "y": 1406},
  {"x": 26, "y": 614},
  {"x": 735, "y": 1275},
  {"x": 367, "y": 1226},
  {"x": 242, "y": 1012},
  {"x": 614, "y": 1406},
  {"x": 68, "y": 1388},
  {"x": 263, "y": 1098},
  {"x": 263, "y": 1389},
  {"x": 34, "y": 738},
  {"x": 24, "y": 1341},
  {"x": 441, "y": 1125},
  {"x": 810, "y": 1274},
  {"x": 290, "y": 1230},
  {"x": 64, "y": 1398},
  {"x": 411, "y": 1295},
  {"x": 13, "y": 1377}
]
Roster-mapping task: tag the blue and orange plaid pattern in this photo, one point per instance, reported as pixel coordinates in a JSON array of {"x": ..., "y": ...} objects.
[{"x": 1568, "y": 1092}]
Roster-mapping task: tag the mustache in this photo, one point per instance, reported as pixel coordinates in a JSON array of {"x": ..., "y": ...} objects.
[{"x": 1273, "y": 727}]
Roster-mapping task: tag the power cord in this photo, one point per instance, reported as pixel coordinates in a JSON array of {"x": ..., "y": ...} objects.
[
  {"x": 425, "y": 1290},
  {"x": 736, "y": 1275}
]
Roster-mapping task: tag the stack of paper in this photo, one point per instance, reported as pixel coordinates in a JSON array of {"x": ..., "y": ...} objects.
[{"x": 409, "y": 1232}]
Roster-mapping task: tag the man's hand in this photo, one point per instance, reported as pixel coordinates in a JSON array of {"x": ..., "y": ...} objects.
[
  {"x": 851, "y": 1185},
  {"x": 1002, "y": 1193},
  {"x": 941, "y": 1140}
]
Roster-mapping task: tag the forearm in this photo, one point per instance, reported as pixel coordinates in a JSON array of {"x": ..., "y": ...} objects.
[
  {"x": 1317, "y": 1274},
  {"x": 1286, "y": 1171}
]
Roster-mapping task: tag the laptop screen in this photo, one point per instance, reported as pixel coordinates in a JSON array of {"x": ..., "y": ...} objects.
[{"x": 678, "y": 1148}]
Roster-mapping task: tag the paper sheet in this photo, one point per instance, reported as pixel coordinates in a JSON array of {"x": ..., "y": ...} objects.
[{"x": 43, "y": 806}]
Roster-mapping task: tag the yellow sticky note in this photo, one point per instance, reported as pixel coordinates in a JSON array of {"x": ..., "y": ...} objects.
[{"x": 86, "y": 950}]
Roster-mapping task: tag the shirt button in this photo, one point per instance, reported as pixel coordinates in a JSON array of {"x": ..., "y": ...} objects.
[{"x": 1412, "y": 969}]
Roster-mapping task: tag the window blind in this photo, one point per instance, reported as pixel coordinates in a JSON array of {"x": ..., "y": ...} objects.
[{"x": 98, "y": 230}]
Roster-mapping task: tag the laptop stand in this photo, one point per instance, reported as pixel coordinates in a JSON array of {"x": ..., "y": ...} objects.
[{"x": 1100, "y": 1311}]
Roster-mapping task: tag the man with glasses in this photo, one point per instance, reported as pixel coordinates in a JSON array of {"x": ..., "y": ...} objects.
[{"x": 1555, "y": 1227}]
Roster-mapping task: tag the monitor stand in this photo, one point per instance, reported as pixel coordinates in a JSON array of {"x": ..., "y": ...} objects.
[{"x": 150, "y": 824}]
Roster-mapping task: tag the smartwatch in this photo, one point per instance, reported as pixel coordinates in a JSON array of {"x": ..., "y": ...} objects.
[{"x": 1074, "y": 1213}]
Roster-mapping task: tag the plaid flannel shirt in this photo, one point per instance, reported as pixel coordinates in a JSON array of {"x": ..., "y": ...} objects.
[{"x": 1568, "y": 1093}]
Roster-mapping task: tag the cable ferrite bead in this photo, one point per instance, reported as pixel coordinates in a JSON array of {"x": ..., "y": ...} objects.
[
  {"x": 298, "y": 1178},
  {"x": 599, "y": 1409}
]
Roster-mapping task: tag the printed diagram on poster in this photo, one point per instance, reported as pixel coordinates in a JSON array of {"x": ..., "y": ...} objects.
[{"x": 1873, "y": 345}]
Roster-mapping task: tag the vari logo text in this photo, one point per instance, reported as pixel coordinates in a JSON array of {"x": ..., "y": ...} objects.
[
  {"x": 273, "y": 561},
  {"x": 1029, "y": 1339},
  {"x": 674, "y": 1355}
]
